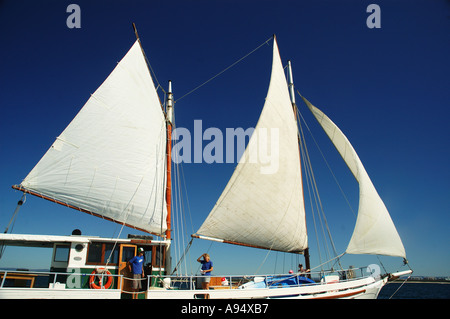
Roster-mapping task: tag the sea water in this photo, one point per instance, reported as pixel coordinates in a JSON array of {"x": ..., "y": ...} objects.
[{"x": 413, "y": 290}]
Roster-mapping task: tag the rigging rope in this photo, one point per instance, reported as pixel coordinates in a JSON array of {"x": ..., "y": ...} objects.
[
  {"x": 13, "y": 218},
  {"x": 150, "y": 68},
  {"x": 326, "y": 162},
  {"x": 12, "y": 221},
  {"x": 311, "y": 179},
  {"x": 312, "y": 184},
  {"x": 180, "y": 200},
  {"x": 400, "y": 286},
  {"x": 304, "y": 161},
  {"x": 178, "y": 212},
  {"x": 227, "y": 68},
  {"x": 182, "y": 257}
]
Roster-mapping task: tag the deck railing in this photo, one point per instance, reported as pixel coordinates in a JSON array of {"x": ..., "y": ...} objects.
[
  {"x": 73, "y": 280},
  {"x": 193, "y": 282},
  {"x": 54, "y": 280}
]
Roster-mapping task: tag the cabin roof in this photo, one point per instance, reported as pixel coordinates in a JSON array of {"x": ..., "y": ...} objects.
[{"x": 49, "y": 240}]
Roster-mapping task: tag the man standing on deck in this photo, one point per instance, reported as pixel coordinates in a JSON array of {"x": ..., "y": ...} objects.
[
  {"x": 136, "y": 266},
  {"x": 207, "y": 268}
]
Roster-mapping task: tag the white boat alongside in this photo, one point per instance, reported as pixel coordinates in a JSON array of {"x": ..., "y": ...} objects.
[{"x": 113, "y": 161}]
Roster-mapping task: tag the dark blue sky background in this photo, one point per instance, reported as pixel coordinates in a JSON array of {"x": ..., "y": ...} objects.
[{"x": 387, "y": 89}]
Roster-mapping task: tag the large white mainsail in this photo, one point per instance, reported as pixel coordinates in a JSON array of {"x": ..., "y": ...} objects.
[
  {"x": 110, "y": 160},
  {"x": 265, "y": 208},
  {"x": 374, "y": 231}
]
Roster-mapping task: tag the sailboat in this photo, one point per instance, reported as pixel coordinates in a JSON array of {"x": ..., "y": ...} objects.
[{"x": 113, "y": 161}]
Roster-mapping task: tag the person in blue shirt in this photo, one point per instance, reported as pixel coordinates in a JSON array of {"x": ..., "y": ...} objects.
[
  {"x": 207, "y": 268},
  {"x": 136, "y": 267}
]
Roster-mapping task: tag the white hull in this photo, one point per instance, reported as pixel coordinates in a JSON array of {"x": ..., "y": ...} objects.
[
  {"x": 48, "y": 293},
  {"x": 366, "y": 288}
]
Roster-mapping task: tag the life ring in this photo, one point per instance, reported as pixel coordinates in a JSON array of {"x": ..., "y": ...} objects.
[{"x": 98, "y": 273}]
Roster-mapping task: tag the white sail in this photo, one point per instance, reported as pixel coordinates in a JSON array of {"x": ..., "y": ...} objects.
[
  {"x": 110, "y": 160},
  {"x": 262, "y": 205},
  {"x": 374, "y": 231}
]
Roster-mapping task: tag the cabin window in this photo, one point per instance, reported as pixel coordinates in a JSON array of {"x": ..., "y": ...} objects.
[
  {"x": 98, "y": 253},
  {"x": 61, "y": 253},
  {"x": 158, "y": 256},
  {"x": 128, "y": 253},
  {"x": 148, "y": 257},
  {"x": 95, "y": 253},
  {"x": 114, "y": 257}
]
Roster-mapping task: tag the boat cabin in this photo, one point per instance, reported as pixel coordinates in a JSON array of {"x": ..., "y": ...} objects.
[{"x": 87, "y": 255}]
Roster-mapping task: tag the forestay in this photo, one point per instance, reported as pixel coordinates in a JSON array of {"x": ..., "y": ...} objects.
[
  {"x": 110, "y": 160},
  {"x": 262, "y": 206},
  {"x": 374, "y": 231}
]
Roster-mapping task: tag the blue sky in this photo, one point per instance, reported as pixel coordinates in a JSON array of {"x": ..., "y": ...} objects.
[{"x": 386, "y": 88}]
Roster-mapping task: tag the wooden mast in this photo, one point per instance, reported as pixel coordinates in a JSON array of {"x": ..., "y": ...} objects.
[
  {"x": 169, "y": 119},
  {"x": 169, "y": 124},
  {"x": 294, "y": 106}
]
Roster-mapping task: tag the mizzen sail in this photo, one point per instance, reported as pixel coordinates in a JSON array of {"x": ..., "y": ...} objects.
[
  {"x": 262, "y": 204},
  {"x": 110, "y": 160},
  {"x": 374, "y": 231}
]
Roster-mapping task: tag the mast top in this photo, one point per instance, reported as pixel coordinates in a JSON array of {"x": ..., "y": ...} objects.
[
  {"x": 291, "y": 83},
  {"x": 169, "y": 103},
  {"x": 135, "y": 31}
]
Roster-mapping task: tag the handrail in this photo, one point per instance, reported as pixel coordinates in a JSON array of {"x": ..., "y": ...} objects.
[
  {"x": 234, "y": 281},
  {"x": 4, "y": 274},
  {"x": 270, "y": 279}
]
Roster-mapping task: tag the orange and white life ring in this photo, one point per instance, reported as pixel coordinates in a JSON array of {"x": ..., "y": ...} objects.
[{"x": 100, "y": 272}]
